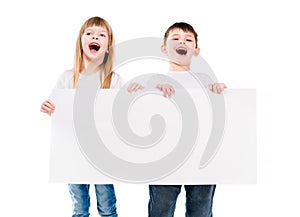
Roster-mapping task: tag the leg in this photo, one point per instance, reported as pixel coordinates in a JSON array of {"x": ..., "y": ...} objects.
[
  {"x": 106, "y": 200},
  {"x": 81, "y": 199},
  {"x": 162, "y": 200},
  {"x": 199, "y": 200}
]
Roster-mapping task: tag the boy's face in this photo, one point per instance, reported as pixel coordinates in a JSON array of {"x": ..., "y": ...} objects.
[
  {"x": 180, "y": 47},
  {"x": 94, "y": 42}
]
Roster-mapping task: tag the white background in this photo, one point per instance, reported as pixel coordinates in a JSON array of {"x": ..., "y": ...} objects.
[{"x": 248, "y": 44}]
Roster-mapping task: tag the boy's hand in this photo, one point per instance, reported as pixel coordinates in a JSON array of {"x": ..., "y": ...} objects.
[
  {"x": 217, "y": 87},
  {"x": 47, "y": 107},
  {"x": 134, "y": 87},
  {"x": 167, "y": 89}
]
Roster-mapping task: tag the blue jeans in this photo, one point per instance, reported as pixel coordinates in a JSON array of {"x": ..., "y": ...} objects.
[
  {"x": 199, "y": 200},
  {"x": 106, "y": 200}
]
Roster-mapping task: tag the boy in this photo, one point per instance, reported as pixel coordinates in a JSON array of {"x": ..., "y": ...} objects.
[{"x": 180, "y": 45}]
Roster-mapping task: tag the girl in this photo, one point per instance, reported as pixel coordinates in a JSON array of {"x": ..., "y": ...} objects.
[{"x": 95, "y": 43}]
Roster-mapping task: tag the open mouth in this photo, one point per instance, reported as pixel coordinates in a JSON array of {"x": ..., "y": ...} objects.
[
  {"x": 181, "y": 51},
  {"x": 94, "y": 47}
]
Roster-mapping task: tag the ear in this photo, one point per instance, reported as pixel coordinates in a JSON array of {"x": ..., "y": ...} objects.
[
  {"x": 197, "y": 51},
  {"x": 163, "y": 49}
]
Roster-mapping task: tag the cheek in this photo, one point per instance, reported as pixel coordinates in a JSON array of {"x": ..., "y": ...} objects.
[
  {"x": 172, "y": 43},
  {"x": 83, "y": 41},
  {"x": 191, "y": 45},
  {"x": 169, "y": 47},
  {"x": 105, "y": 45},
  {"x": 104, "y": 42}
]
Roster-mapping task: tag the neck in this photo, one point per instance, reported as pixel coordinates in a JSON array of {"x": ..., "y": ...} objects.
[
  {"x": 178, "y": 67},
  {"x": 90, "y": 67}
]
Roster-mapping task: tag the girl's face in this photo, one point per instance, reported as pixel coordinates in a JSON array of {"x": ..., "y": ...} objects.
[
  {"x": 180, "y": 47},
  {"x": 95, "y": 40}
]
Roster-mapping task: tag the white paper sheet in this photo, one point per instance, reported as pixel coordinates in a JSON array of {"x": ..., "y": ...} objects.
[{"x": 233, "y": 162}]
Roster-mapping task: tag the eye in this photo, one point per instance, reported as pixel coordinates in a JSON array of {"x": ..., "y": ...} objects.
[
  {"x": 189, "y": 40},
  {"x": 88, "y": 33},
  {"x": 103, "y": 35},
  {"x": 175, "y": 39}
]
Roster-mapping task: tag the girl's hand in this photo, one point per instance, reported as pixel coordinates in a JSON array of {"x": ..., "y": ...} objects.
[
  {"x": 134, "y": 87},
  {"x": 47, "y": 107},
  {"x": 168, "y": 90},
  {"x": 217, "y": 87}
]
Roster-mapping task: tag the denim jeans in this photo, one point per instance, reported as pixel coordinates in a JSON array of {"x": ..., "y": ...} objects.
[
  {"x": 106, "y": 200},
  {"x": 199, "y": 200}
]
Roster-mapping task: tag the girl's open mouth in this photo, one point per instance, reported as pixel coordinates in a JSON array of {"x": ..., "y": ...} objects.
[{"x": 94, "y": 47}]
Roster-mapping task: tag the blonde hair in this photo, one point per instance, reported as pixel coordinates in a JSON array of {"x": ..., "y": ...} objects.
[{"x": 107, "y": 65}]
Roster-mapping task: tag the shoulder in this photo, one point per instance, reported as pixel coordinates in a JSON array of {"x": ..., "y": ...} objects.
[
  {"x": 65, "y": 80},
  {"x": 67, "y": 74},
  {"x": 204, "y": 78},
  {"x": 116, "y": 81}
]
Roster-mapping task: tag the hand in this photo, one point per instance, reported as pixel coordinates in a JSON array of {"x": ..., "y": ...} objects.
[
  {"x": 167, "y": 89},
  {"x": 217, "y": 87},
  {"x": 47, "y": 107},
  {"x": 134, "y": 87}
]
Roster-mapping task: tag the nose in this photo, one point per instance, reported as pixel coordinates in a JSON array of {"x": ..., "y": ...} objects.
[
  {"x": 94, "y": 37},
  {"x": 181, "y": 42}
]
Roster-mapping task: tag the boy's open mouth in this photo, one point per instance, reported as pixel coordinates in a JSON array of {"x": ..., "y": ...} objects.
[
  {"x": 94, "y": 47},
  {"x": 181, "y": 51}
]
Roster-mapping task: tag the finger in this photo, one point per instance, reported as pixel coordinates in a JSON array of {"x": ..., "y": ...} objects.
[
  {"x": 165, "y": 92},
  {"x": 172, "y": 91},
  {"x": 218, "y": 87},
  {"x": 214, "y": 88},
  {"x": 221, "y": 87},
  {"x": 140, "y": 87},
  {"x": 159, "y": 87},
  {"x": 134, "y": 85},
  {"x": 49, "y": 104},
  {"x": 168, "y": 92},
  {"x": 45, "y": 110},
  {"x": 47, "y": 107},
  {"x": 131, "y": 87}
]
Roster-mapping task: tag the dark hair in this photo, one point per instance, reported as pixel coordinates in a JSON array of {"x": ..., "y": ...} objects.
[{"x": 184, "y": 27}]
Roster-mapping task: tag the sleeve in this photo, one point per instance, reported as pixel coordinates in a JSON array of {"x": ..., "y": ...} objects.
[
  {"x": 205, "y": 79},
  {"x": 116, "y": 82},
  {"x": 59, "y": 83},
  {"x": 65, "y": 80}
]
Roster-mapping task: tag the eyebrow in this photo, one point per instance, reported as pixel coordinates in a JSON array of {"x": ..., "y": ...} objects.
[{"x": 174, "y": 35}]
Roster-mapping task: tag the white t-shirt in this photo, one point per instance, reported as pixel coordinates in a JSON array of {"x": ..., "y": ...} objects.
[
  {"x": 186, "y": 79},
  {"x": 66, "y": 79},
  {"x": 190, "y": 80}
]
